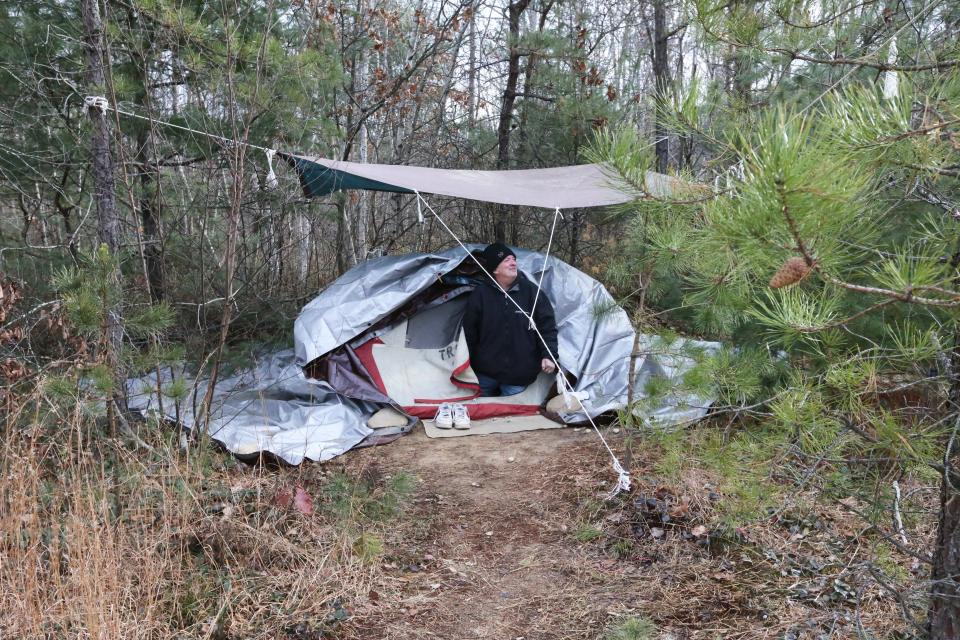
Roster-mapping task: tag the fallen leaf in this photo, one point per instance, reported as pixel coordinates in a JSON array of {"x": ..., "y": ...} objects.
[
  {"x": 678, "y": 510},
  {"x": 283, "y": 498},
  {"x": 302, "y": 501},
  {"x": 699, "y": 531}
]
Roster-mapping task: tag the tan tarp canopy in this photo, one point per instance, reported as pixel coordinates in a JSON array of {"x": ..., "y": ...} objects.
[{"x": 586, "y": 185}]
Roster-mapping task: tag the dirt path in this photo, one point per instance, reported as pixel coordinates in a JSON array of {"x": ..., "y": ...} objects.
[
  {"x": 494, "y": 553},
  {"x": 510, "y": 537}
]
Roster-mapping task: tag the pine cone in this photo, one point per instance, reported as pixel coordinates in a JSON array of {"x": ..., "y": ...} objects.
[{"x": 790, "y": 272}]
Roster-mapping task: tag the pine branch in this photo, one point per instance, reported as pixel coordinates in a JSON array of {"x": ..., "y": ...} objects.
[
  {"x": 911, "y": 134},
  {"x": 839, "y": 323},
  {"x": 947, "y": 171},
  {"x": 864, "y": 62},
  {"x": 903, "y": 296}
]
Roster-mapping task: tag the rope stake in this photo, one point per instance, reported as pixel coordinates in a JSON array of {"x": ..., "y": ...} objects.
[
  {"x": 95, "y": 102},
  {"x": 99, "y": 102}
]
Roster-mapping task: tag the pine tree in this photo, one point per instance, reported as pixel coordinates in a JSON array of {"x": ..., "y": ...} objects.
[{"x": 808, "y": 245}]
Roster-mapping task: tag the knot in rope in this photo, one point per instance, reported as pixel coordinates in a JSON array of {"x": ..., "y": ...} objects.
[
  {"x": 95, "y": 102},
  {"x": 623, "y": 480},
  {"x": 272, "y": 182}
]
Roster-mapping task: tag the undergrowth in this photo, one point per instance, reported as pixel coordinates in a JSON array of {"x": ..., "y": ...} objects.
[{"x": 180, "y": 542}]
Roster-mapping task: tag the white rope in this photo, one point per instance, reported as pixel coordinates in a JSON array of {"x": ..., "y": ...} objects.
[
  {"x": 623, "y": 476},
  {"x": 271, "y": 176},
  {"x": 95, "y": 102},
  {"x": 100, "y": 102},
  {"x": 543, "y": 269}
]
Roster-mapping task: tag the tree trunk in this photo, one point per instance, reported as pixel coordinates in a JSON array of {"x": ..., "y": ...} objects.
[
  {"x": 303, "y": 249},
  {"x": 739, "y": 67},
  {"x": 108, "y": 224},
  {"x": 472, "y": 77},
  {"x": 661, "y": 80},
  {"x": 360, "y": 222},
  {"x": 345, "y": 255},
  {"x": 514, "y": 11},
  {"x": 149, "y": 209},
  {"x": 944, "y": 620}
]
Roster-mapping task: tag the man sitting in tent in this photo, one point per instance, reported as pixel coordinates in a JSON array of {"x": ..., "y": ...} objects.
[{"x": 505, "y": 351}]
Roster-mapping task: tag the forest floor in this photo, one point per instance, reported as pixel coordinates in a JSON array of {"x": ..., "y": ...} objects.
[
  {"x": 510, "y": 536},
  {"x": 504, "y": 537}
]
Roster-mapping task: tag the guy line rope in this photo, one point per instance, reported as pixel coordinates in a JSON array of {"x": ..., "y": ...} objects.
[{"x": 563, "y": 385}]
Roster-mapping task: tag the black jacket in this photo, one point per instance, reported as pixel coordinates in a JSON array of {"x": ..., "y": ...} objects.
[{"x": 502, "y": 344}]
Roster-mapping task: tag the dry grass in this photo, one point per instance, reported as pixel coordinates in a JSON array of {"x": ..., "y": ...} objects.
[
  {"x": 98, "y": 541},
  {"x": 809, "y": 571},
  {"x": 101, "y": 541}
]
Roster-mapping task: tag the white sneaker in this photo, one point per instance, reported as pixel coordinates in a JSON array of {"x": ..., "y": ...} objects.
[
  {"x": 444, "y": 417},
  {"x": 461, "y": 419}
]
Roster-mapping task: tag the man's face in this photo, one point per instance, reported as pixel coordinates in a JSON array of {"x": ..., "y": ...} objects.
[{"x": 507, "y": 269}]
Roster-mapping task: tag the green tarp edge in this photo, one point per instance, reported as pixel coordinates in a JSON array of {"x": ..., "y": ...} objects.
[{"x": 318, "y": 181}]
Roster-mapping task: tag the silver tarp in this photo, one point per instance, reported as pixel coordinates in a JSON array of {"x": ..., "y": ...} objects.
[{"x": 270, "y": 406}]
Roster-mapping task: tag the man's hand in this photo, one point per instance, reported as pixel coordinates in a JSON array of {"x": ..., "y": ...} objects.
[{"x": 547, "y": 365}]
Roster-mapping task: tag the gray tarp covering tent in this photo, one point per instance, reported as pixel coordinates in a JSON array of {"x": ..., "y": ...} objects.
[{"x": 270, "y": 406}]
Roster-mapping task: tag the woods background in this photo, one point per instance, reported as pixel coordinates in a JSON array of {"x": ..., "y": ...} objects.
[{"x": 821, "y": 247}]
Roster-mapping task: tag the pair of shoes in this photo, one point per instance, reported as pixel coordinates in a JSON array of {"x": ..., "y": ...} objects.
[{"x": 451, "y": 414}]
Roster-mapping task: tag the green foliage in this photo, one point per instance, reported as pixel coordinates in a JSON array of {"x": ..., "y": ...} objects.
[
  {"x": 795, "y": 318},
  {"x": 586, "y": 532},
  {"x": 368, "y": 547},
  {"x": 622, "y": 548},
  {"x": 364, "y": 500},
  {"x": 101, "y": 378},
  {"x": 632, "y": 629},
  {"x": 149, "y": 319},
  {"x": 362, "y": 506},
  {"x": 90, "y": 290},
  {"x": 628, "y": 157},
  {"x": 176, "y": 390},
  {"x": 734, "y": 376}
]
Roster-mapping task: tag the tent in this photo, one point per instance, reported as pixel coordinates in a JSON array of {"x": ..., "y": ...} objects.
[{"x": 387, "y": 333}]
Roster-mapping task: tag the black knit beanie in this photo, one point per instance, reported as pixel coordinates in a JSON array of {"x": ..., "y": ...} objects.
[{"x": 493, "y": 255}]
